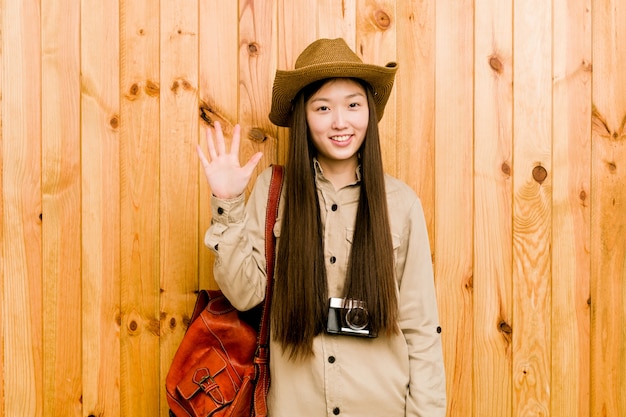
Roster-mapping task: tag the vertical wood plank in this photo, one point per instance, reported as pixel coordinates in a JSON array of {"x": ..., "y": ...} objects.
[
  {"x": 218, "y": 92},
  {"x": 140, "y": 382},
  {"x": 100, "y": 119},
  {"x": 257, "y": 67},
  {"x": 532, "y": 187},
  {"x": 61, "y": 238},
  {"x": 415, "y": 92},
  {"x": 570, "y": 208},
  {"x": 2, "y": 242},
  {"x": 295, "y": 31},
  {"x": 337, "y": 20},
  {"x": 493, "y": 141},
  {"x": 179, "y": 175},
  {"x": 21, "y": 269},
  {"x": 376, "y": 44},
  {"x": 608, "y": 215},
  {"x": 454, "y": 196}
]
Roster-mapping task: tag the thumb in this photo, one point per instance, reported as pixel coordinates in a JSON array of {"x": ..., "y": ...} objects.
[{"x": 253, "y": 162}]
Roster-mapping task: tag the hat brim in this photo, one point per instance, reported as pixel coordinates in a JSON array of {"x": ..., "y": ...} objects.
[{"x": 287, "y": 84}]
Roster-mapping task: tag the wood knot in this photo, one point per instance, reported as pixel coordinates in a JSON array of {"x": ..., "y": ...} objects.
[
  {"x": 153, "y": 326},
  {"x": 611, "y": 166},
  {"x": 179, "y": 83},
  {"x": 133, "y": 326},
  {"x": 256, "y": 134},
  {"x": 253, "y": 48},
  {"x": 504, "y": 327},
  {"x": 152, "y": 89},
  {"x": 540, "y": 174},
  {"x": 173, "y": 323},
  {"x": 469, "y": 284},
  {"x": 496, "y": 64},
  {"x": 506, "y": 169},
  {"x": 186, "y": 320},
  {"x": 206, "y": 112},
  {"x": 133, "y": 92},
  {"x": 382, "y": 19},
  {"x": 114, "y": 121},
  {"x": 186, "y": 85}
]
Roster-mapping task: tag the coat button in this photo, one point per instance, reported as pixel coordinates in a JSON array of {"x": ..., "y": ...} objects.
[
  {"x": 333, "y": 259},
  {"x": 336, "y": 411},
  {"x": 331, "y": 359},
  {"x": 334, "y": 207},
  {"x": 220, "y": 211}
]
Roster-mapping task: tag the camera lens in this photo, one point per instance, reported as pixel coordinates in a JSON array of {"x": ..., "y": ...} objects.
[{"x": 357, "y": 317}]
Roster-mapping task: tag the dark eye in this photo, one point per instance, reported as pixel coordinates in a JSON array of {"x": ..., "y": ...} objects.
[{"x": 354, "y": 105}]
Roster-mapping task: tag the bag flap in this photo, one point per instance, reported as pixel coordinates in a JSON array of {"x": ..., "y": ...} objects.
[{"x": 202, "y": 376}]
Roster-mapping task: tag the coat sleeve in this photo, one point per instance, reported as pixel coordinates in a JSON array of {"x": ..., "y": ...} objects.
[
  {"x": 237, "y": 238},
  {"x": 419, "y": 319}
]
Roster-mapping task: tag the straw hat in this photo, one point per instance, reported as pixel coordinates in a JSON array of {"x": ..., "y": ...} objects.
[{"x": 328, "y": 58}]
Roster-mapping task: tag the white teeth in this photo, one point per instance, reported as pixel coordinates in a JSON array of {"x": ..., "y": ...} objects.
[{"x": 340, "y": 138}]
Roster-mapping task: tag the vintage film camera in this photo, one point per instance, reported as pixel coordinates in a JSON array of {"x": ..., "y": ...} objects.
[{"x": 348, "y": 317}]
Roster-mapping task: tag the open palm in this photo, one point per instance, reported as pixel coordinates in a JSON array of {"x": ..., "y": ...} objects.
[{"x": 226, "y": 177}]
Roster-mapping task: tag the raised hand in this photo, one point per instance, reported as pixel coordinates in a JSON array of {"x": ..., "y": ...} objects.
[{"x": 226, "y": 177}]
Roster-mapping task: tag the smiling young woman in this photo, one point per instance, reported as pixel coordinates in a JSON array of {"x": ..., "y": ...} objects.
[{"x": 354, "y": 321}]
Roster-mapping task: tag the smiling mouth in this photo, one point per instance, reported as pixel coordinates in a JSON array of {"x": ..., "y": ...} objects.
[{"x": 341, "y": 138}]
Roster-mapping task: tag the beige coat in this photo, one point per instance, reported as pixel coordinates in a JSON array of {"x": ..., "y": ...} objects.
[{"x": 395, "y": 376}]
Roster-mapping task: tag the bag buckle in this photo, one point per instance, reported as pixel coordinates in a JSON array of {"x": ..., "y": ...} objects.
[{"x": 211, "y": 388}]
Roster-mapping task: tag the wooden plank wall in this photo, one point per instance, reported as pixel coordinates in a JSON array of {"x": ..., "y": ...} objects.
[{"x": 508, "y": 119}]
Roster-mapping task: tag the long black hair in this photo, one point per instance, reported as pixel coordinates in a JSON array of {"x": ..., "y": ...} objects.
[{"x": 300, "y": 300}]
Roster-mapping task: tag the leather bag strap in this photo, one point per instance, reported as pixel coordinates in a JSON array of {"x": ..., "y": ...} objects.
[
  {"x": 271, "y": 214},
  {"x": 262, "y": 355},
  {"x": 202, "y": 300}
]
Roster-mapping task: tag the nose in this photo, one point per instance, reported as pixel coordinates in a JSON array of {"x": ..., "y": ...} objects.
[{"x": 339, "y": 120}]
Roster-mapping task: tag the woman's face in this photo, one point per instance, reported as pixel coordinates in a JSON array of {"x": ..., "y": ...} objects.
[{"x": 338, "y": 115}]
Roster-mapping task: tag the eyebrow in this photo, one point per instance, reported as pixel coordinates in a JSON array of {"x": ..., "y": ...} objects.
[{"x": 348, "y": 97}]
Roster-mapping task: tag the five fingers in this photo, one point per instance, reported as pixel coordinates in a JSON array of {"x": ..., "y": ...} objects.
[
  {"x": 234, "y": 146},
  {"x": 221, "y": 146},
  {"x": 217, "y": 147},
  {"x": 203, "y": 160},
  {"x": 252, "y": 162},
  {"x": 211, "y": 144}
]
